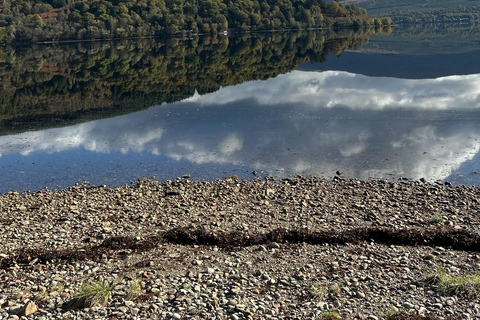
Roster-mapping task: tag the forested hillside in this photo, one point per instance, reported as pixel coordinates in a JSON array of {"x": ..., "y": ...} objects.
[
  {"x": 53, "y": 20},
  {"x": 422, "y": 11}
]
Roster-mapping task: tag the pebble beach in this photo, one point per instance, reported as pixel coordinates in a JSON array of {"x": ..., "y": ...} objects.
[{"x": 301, "y": 248}]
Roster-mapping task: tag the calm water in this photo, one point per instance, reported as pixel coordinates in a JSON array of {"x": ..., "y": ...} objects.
[{"x": 346, "y": 114}]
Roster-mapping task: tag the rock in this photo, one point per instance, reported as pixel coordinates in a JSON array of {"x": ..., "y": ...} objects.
[
  {"x": 422, "y": 311},
  {"x": 210, "y": 270},
  {"x": 408, "y": 305},
  {"x": 186, "y": 176},
  {"x": 261, "y": 248},
  {"x": 29, "y": 308},
  {"x": 197, "y": 262},
  {"x": 269, "y": 192},
  {"x": 370, "y": 216},
  {"x": 274, "y": 245},
  {"x": 135, "y": 311},
  {"x": 176, "y": 316},
  {"x": 172, "y": 193},
  {"x": 429, "y": 257}
]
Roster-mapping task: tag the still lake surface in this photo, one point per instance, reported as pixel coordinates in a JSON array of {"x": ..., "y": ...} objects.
[{"x": 403, "y": 105}]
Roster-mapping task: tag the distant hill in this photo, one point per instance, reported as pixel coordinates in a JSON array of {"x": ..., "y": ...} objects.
[{"x": 421, "y": 11}]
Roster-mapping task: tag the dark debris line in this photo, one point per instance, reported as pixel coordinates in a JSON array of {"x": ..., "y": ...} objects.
[{"x": 433, "y": 236}]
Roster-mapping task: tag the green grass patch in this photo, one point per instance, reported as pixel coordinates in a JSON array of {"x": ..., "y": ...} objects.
[
  {"x": 319, "y": 291},
  {"x": 94, "y": 293},
  {"x": 134, "y": 289},
  {"x": 436, "y": 220},
  {"x": 331, "y": 315},
  {"x": 467, "y": 286},
  {"x": 393, "y": 312}
]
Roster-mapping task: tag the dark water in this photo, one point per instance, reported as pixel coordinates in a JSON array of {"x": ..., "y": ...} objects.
[{"x": 279, "y": 124}]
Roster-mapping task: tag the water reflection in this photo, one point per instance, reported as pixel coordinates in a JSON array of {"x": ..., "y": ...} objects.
[
  {"x": 48, "y": 86},
  {"x": 413, "y": 52},
  {"x": 305, "y": 123}
]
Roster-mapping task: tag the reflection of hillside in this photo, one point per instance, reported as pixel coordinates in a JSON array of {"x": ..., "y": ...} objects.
[
  {"x": 442, "y": 38},
  {"x": 68, "y": 84}
]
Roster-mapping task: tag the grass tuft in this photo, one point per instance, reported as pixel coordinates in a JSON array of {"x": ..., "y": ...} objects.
[
  {"x": 134, "y": 289},
  {"x": 436, "y": 220},
  {"x": 467, "y": 286},
  {"x": 318, "y": 291},
  {"x": 335, "y": 289},
  {"x": 331, "y": 315},
  {"x": 394, "y": 312},
  {"x": 94, "y": 293}
]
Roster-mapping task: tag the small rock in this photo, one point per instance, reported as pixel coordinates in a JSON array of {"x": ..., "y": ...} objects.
[
  {"x": 274, "y": 245},
  {"x": 210, "y": 270},
  {"x": 429, "y": 257},
  {"x": 269, "y": 192},
  {"x": 29, "y": 308},
  {"x": 176, "y": 316},
  {"x": 408, "y": 305}
]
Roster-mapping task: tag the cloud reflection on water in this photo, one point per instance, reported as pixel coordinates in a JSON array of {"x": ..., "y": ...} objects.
[
  {"x": 305, "y": 123},
  {"x": 337, "y": 88}
]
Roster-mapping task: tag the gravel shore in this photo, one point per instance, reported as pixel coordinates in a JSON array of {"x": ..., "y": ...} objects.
[{"x": 302, "y": 248}]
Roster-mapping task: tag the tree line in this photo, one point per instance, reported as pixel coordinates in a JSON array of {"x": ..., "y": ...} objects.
[{"x": 54, "y": 20}]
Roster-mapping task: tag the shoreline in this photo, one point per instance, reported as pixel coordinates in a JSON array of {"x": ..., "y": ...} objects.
[{"x": 302, "y": 248}]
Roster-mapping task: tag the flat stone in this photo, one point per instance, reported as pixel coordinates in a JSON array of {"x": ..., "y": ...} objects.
[{"x": 29, "y": 308}]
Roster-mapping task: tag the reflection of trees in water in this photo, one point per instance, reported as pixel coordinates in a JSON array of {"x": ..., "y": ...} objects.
[{"x": 125, "y": 76}]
